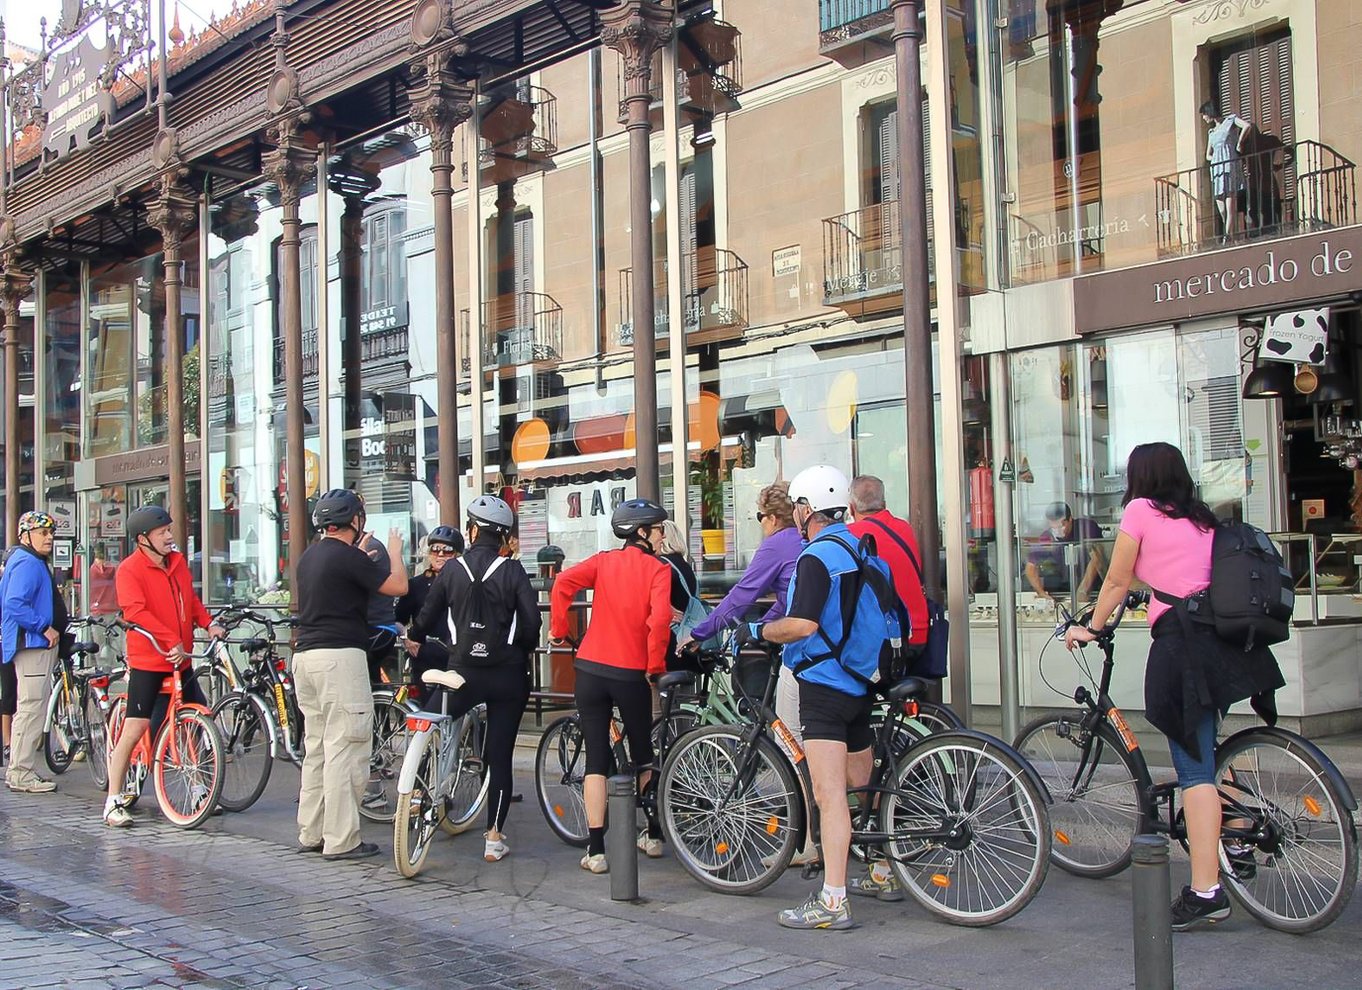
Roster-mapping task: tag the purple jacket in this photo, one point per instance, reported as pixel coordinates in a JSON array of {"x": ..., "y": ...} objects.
[{"x": 771, "y": 569}]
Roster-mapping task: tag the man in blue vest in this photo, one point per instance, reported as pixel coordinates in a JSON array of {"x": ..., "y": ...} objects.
[{"x": 834, "y": 701}]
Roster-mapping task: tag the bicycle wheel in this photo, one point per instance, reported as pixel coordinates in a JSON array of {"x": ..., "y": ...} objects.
[
  {"x": 666, "y": 731},
  {"x": 61, "y": 742},
  {"x": 391, "y": 736},
  {"x": 467, "y": 783},
  {"x": 1304, "y": 854},
  {"x": 246, "y": 750},
  {"x": 936, "y": 717},
  {"x": 559, "y": 769},
  {"x": 970, "y": 840},
  {"x": 1097, "y": 789},
  {"x": 96, "y": 743},
  {"x": 136, "y": 774},
  {"x": 419, "y": 810},
  {"x": 186, "y": 767},
  {"x": 733, "y": 812}
]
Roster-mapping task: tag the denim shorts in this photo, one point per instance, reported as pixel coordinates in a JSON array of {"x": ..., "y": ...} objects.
[{"x": 1191, "y": 771}]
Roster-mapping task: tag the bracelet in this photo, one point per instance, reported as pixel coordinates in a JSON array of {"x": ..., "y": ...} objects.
[{"x": 1090, "y": 629}]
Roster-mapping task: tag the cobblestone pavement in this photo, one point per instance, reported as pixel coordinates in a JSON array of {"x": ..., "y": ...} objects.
[{"x": 233, "y": 905}]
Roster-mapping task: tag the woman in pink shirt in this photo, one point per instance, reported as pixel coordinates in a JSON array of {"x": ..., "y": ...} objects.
[{"x": 1191, "y": 677}]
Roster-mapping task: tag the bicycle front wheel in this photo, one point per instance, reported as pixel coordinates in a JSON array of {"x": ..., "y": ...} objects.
[
  {"x": 137, "y": 770},
  {"x": 732, "y": 811},
  {"x": 1097, "y": 788},
  {"x": 97, "y": 743},
  {"x": 391, "y": 736},
  {"x": 559, "y": 770},
  {"x": 1298, "y": 867},
  {"x": 63, "y": 740},
  {"x": 246, "y": 740},
  {"x": 467, "y": 783},
  {"x": 419, "y": 810},
  {"x": 186, "y": 767},
  {"x": 970, "y": 839}
]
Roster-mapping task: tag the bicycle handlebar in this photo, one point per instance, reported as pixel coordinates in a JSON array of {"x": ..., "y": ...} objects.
[
  {"x": 213, "y": 644},
  {"x": 1133, "y": 599}
]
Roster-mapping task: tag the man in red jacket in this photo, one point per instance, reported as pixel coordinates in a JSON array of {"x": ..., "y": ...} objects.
[
  {"x": 896, "y": 545},
  {"x": 155, "y": 592},
  {"x": 626, "y": 642}
]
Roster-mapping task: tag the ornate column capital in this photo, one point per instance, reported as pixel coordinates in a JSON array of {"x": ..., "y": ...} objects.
[
  {"x": 291, "y": 162},
  {"x": 637, "y": 29},
  {"x": 174, "y": 212},
  {"x": 439, "y": 103}
]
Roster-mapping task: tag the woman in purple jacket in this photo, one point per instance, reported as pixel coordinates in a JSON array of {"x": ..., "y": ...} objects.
[{"x": 769, "y": 572}]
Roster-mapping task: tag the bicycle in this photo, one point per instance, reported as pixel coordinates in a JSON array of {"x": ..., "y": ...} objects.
[
  {"x": 444, "y": 777},
  {"x": 392, "y": 705},
  {"x": 185, "y": 758},
  {"x": 1288, "y": 847},
  {"x": 77, "y": 711},
  {"x": 960, "y": 817},
  {"x": 258, "y": 716}
]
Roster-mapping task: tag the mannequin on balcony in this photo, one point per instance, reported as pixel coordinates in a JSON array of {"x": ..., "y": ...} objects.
[{"x": 1224, "y": 152}]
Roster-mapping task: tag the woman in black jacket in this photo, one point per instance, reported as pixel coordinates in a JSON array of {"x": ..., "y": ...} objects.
[
  {"x": 492, "y": 656},
  {"x": 442, "y": 545}
]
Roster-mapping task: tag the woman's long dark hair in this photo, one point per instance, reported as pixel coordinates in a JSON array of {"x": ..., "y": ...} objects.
[{"x": 1157, "y": 471}]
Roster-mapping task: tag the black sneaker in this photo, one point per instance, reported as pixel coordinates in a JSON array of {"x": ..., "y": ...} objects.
[
  {"x": 1242, "y": 864},
  {"x": 1191, "y": 909},
  {"x": 362, "y": 851}
]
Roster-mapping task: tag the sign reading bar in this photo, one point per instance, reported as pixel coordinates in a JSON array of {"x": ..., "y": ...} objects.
[{"x": 1263, "y": 275}]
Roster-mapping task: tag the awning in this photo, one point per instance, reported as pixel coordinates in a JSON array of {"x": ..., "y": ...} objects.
[{"x": 610, "y": 463}]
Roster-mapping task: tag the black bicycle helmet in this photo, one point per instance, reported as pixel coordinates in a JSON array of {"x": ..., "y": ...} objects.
[
  {"x": 629, "y": 516},
  {"x": 338, "y": 507},
  {"x": 446, "y": 536},
  {"x": 491, "y": 513},
  {"x": 144, "y": 520}
]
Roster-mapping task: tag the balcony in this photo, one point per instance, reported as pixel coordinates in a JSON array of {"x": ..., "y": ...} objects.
[
  {"x": 519, "y": 133},
  {"x": 844, "y": 27},
  {"x": 1294, "y": 189},
  {"x": 522, "y": 329},
  {"x": 708, "y": 71},
  {"x": 310, "y": 357},
  {"x": 863, "y": 260},
  {"x": 714, "y": 298}
]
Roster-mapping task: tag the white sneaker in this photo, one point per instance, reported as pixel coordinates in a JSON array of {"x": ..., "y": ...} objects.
[
  {"x": 115, "y": 815},
  {"x": 595, "y": 864},
  {"x": 494, "y": 849},
  {"x": 650, "y": 847}
]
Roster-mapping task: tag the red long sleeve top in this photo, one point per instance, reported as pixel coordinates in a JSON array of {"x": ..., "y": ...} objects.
[
  {"x": 631, "y": 609},
  {"x": 161, "y": 601}
]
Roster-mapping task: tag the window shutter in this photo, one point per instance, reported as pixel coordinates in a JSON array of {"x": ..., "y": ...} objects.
[
  {"x": 689, "y": 239},
  {"x": 524, "y": 269}
]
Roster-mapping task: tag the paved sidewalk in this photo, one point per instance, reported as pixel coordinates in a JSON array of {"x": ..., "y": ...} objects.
[{"x": 232, "y": 905}]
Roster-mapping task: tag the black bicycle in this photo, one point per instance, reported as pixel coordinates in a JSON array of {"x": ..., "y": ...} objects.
[{"x": 1288, "y": 849}]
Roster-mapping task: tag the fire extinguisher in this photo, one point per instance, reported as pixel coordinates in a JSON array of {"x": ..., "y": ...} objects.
[{"x": 981, "y": 523}]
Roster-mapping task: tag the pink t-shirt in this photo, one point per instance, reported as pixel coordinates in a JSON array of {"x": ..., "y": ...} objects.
[{"x": 1175, "y": 555}]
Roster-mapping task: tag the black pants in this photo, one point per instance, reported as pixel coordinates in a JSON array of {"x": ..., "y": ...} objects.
[
  {"x": 505, "y": 689},
  {"x": 596, "y": 696},
  {"x": 380, "y": 652}
]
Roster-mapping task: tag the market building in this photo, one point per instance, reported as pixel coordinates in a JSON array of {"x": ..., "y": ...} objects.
[{"x": 414, "y": 248}]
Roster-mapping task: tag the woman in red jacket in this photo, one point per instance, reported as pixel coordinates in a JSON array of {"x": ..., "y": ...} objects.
[{"x": 625, "y": 643}]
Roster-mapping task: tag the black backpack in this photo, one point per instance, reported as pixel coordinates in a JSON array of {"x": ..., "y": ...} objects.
[
  {"x": 478, "y": 637},
  {"x": 1251, "y": 596}
]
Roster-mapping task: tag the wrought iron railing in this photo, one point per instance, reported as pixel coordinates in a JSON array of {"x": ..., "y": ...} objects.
[
  {"x": 863, "y": 253},
  {"x": 714, "y": 296},
  {"x": 520, "y": 126},
  {"x": 1277, "y": 192},
  {"x": 517, "y": 329},
  {"x": 841, "y": 22},
  {"x": 708, "y": 72},
  {"x": 310, "y": 356}
]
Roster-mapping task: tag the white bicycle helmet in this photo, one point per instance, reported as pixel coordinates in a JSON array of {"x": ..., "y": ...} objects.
[{"x": 822, "y": 488}]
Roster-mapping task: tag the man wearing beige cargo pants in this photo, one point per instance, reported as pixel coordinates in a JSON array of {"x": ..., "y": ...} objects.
[{"x": 335, "y": 581}]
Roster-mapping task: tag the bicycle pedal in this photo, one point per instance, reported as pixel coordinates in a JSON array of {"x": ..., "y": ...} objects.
[{"x": 811, "y": 871}]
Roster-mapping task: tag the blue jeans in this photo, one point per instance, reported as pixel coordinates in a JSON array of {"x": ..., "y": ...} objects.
[{"x": 1190, "y": 770}]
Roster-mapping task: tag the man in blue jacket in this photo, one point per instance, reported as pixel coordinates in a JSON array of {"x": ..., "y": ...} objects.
[{"x": 32, "y": 617}]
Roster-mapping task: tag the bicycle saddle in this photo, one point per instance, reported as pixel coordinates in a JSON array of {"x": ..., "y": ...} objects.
[
  {"x": 256, "y": 645},
  {"x": 909, "y": 687},
  {"x": 85, "y": 647},
  {"x": 443, "y": 678},
  {"x": 677, "y": 677}
]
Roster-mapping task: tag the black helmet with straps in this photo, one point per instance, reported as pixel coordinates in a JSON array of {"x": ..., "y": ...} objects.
[
  {"x": 144, "y": 520},
  {"x": 338, "y": 507},
  {"x": 629, "y": 516}
]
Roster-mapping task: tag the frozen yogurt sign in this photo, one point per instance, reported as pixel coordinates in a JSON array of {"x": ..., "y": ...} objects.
[{"x": 1260, "y": 276}]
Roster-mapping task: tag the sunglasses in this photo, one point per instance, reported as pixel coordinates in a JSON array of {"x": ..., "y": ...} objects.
[
  {"x": 762, "y": 515},
  {"x": 442, "y": 551}
]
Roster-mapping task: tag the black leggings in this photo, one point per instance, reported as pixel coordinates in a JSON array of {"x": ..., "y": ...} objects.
[
  {"x": 596, "y": 696},
  {"x": 505, "y": 689}
]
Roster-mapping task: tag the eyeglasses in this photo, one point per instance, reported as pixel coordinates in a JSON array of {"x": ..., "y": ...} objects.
[
  {"x": 762, "y": 515},
  {"x": 442, "y": 551}
]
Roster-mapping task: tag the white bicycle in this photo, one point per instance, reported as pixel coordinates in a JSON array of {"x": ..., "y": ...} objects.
[{"x": 443, "y": 780}]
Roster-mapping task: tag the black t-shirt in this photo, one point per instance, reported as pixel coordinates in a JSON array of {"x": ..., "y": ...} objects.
[
  {"x": 335, "y": 583},
  {"x": 382, "y": 608}
]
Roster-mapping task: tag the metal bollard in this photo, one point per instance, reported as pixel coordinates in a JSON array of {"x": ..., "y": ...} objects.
[
  {"x": 1151, "y": 894},
  {"x": 620, "y": 847}
]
